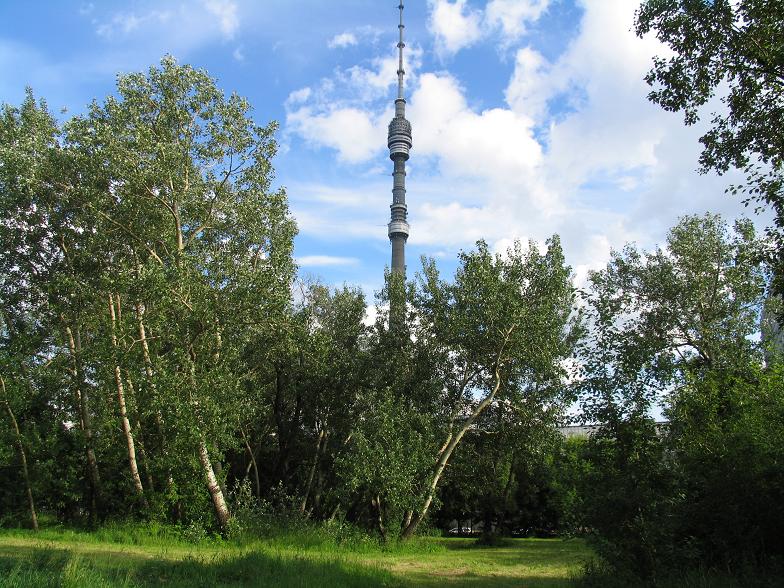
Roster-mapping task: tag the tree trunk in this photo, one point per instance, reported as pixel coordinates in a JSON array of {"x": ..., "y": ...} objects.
[
  {"x": 85, "y": 419},
  {"x": 510, "y": 480},
  {"x": 145, "y": 460},
  {"x": 407, "y": 518},
  {"x": 139, "y": 438},
  {"x": 22, "y": 456},
  {"x": 124, "y": 422},
  {"x": 376, "y": 503},
  {"x": 315, "y": 502},
  {"x": 252, "y": 462},
  {"x": 447, "y": 451},
  {"x": 218, "y": 501},
  {"x": 321, "y": 439},
  {"x": 213, "y": 486},
  {"x": 149, "y": 372},
  {"x": 218, "y": 468}
]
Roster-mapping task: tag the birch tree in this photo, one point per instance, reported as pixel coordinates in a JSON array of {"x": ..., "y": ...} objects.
[{"x": 181, "y": 179}]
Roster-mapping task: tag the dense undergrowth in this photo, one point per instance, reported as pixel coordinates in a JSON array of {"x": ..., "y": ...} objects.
[{"x": 597, "y": 575}]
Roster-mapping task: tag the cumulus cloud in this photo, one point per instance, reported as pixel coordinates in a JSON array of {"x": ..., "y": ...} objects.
[
  {"x": 225, "y": 11},
  {"x": 492, "y": 144},
  {"x": 366, "y": 34},
  {"x": 513, "y": 16},
  {"x": 454, "y": 25},
  {"x": 342, "y": 40},
  {"x": 299, "y": 96},
  {"x": 531, "y": 85},
  {"x": 350, "y": 111},
  {"x": 351, "y": 131}
]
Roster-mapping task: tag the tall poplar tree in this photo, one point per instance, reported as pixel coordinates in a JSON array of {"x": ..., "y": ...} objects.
[{"x": 179, "y": 178}]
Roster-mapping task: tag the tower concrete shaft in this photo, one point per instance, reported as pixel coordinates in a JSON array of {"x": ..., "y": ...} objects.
[{"x": 399, "y": 143}]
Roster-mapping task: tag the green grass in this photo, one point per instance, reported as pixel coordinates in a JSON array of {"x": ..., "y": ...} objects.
[
  {"x": 545, "y": 563},
  {"x": 135, "y": 556}
]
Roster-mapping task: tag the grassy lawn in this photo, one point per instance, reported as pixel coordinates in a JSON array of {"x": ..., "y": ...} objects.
[
  {"x": 522, "y": 562},
  {"x": 70, "y": 559}
]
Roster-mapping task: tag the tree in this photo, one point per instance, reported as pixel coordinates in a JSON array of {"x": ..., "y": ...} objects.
[
  {"x": 44, "y": 243},
  {"x": 511, "y": 473},
  {"x": 498, "y": 333},
  {"x": 20, "y": 447},
  {"x": 733, "y": 48},
  {"x": 676, "y": 327},
  {"x": 726, "y": 436},
  {"x": 692, "y": 305},
  {"x": 145, "y": 253},
  {"x": 180, "y": 176}
]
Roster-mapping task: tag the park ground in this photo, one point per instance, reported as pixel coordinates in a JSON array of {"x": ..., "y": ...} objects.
[{"x": 116, "y": 557}]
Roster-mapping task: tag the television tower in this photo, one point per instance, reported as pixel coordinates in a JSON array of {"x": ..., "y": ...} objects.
[{"x": 399, "y": 143}]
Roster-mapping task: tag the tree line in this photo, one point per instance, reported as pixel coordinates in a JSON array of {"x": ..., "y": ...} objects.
[
  {"x": 160, "y": 357},
  {"x": 158, "y": 348}
]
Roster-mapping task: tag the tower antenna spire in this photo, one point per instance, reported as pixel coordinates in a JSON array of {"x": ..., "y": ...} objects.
[
  {"x": 399, "y": 143},
  {"x": 400, "y": 45}
]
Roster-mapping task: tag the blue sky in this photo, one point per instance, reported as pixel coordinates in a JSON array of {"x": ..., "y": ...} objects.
[{"x": 529, "y": 116}]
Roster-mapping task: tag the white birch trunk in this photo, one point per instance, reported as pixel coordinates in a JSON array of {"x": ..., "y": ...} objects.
[{"x": 114, "y": 309}]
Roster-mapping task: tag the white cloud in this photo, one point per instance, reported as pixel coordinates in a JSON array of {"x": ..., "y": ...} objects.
[
  {"x": 226, "y": 13},
  {"x": 512, "y": 16},
  {"x": 122, "y": 24},
  {"x": 342, "y": 40},
  {"x": 351, "y": 131},
  {"x": 325, "y": 261},
  {"x": 576, "y": 149},
  {"x": 170, "y": 27},
  {"x": 494, "y": 146},
  {"x": 373, "y": 83},
  {"x": 454, "y": 25},
  {"x": 299, "y": 96},
  {"x": 354, "y": 212},
  {"x": 237, "y": 54},
  {"x": 531, "y": 85},
  {"x": 350, "y": 111},
  {"x": 356, "y": 36}
]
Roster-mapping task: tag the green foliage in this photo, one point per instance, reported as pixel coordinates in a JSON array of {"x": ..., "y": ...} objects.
[
  {"x": 389, "y": 455},
  {"x": 732, "y": 49},
  {"x": 629, "y": 495},
  {"x": 159, "y": 202},
  {"x": 726, "y": 437},
  {"x": 704, "y": 489},
  {"x": 657, "y": 316},
  {"x": 515, "y": 477}
]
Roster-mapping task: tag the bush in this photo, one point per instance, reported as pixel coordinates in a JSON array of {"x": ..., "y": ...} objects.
[{"x": 706, "y": 495}]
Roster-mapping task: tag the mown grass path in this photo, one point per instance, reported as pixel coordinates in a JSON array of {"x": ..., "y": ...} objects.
[
  {"x": 70, "y": 559},
  {"x": 521, "y": 562}
]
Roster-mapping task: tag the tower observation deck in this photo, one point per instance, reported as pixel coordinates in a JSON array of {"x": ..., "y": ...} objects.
[{"x": 399, "y": 143}]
